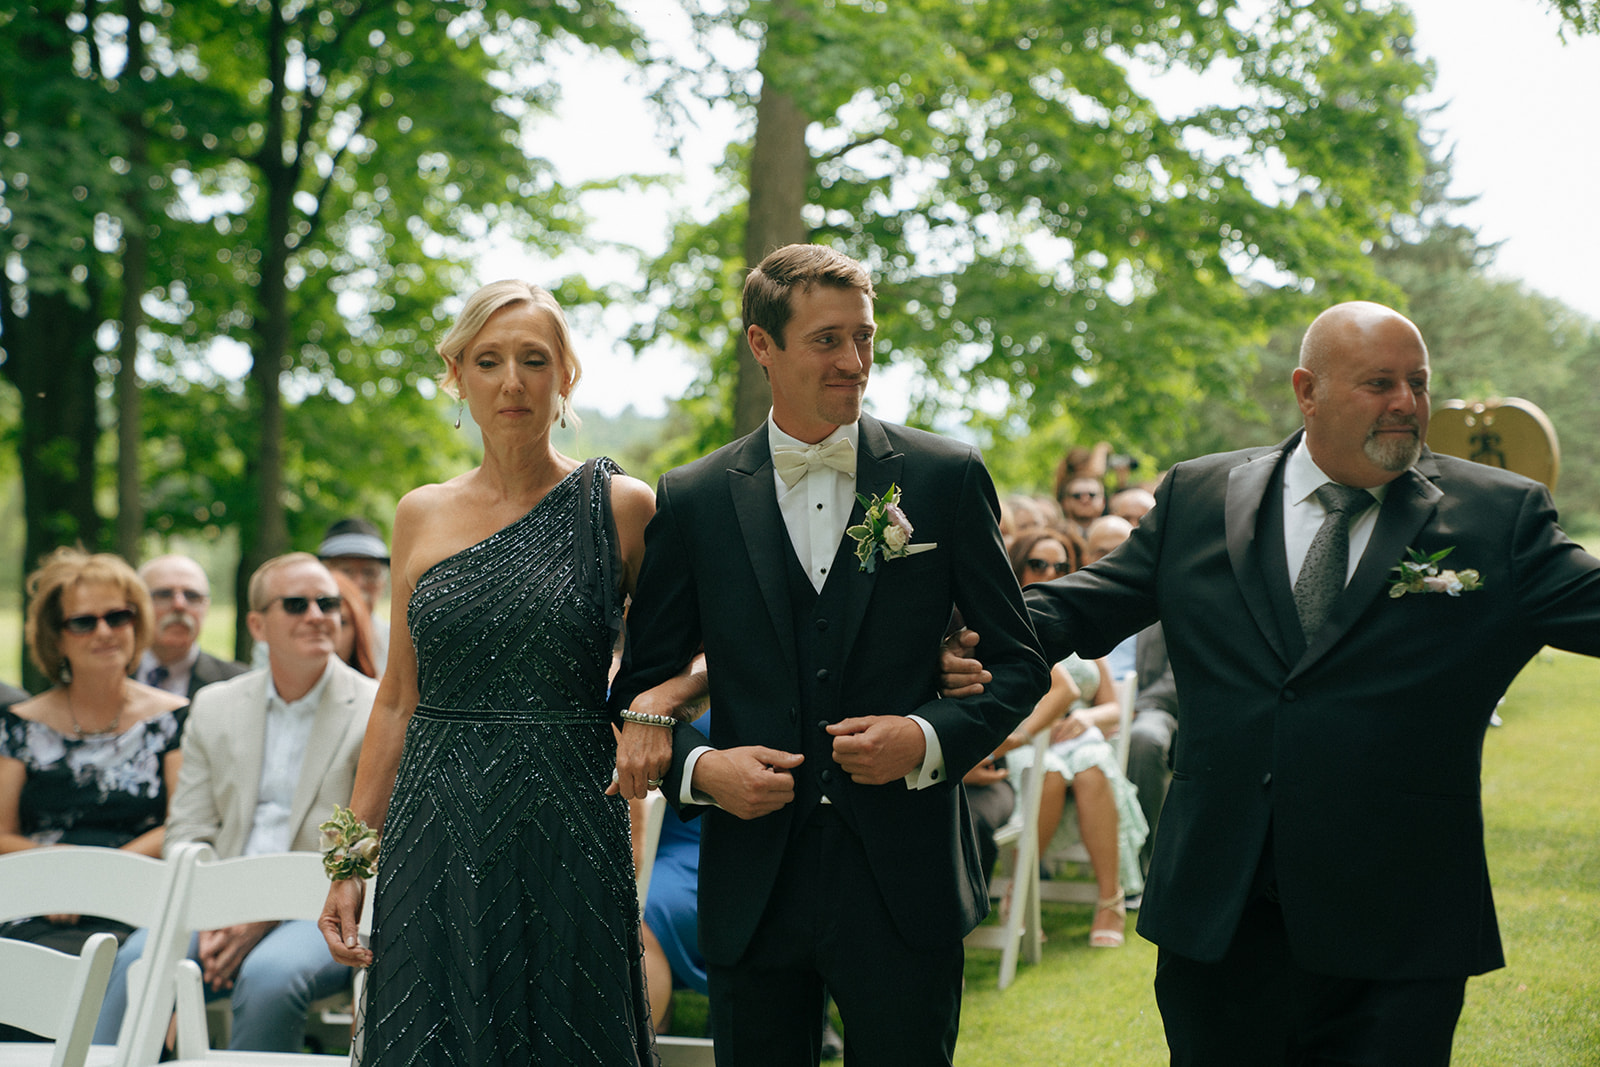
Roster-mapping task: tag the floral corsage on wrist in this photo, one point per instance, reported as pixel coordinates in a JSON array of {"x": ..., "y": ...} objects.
[
  {"x": 349, "y": 846},
  {"x": 1421, "y": 574},
  {"x": 884, "y": 532}
]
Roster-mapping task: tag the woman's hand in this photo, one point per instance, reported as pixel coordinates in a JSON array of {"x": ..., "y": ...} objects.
[
  {"x": 340, "y": 922},
  {"x": 1071, "y": 726},
  {"x": 644, "y": 755}
]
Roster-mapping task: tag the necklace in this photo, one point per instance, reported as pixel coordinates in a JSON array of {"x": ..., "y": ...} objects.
[{"x": 108, "y": 728}]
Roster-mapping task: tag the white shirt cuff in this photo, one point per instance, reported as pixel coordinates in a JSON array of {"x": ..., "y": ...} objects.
[
  {"x": 932, "y": 771},
  {"x": 686, "y": 793}
]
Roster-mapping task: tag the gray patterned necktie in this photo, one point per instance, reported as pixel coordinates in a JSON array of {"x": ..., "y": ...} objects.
[{"x": 1327, "y": 561}]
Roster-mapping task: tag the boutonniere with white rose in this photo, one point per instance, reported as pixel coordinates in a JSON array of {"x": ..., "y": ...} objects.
[
  {"x": 1421, "y": 574},
  {"x": 884, "y": 532}
]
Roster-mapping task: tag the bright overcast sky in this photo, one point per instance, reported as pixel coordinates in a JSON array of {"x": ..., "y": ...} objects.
[{"x": 1519, "y": 107}]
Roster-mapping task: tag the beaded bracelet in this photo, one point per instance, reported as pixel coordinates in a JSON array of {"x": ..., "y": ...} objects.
[
  {"x": 644, "y": 719},
  {"x": 349, "y": 846}
]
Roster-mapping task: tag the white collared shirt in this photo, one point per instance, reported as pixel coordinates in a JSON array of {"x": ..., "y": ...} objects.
[
  {"x": 816, "y": 509},
  {"x": 283, "y": 753},
  {"x": 1303, "y": 512},
  {"x": 178, "y": 674}
]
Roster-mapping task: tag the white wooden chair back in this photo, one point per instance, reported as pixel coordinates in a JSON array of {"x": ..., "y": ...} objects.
[
  {"x": 55, "y": 995},
  {"x": 1018, "y": 841},
  {"x": 655, "y": 810}
]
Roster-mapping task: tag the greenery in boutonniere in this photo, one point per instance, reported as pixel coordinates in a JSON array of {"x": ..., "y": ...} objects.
[
  {"x": 884, "y": 532},
  {"x": 1421, "y": 574}
]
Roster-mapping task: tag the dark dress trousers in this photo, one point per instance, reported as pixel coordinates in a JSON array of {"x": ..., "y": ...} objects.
[
  {"x": 1358, "y": 754},
  {"x": 785, "y": 661}
]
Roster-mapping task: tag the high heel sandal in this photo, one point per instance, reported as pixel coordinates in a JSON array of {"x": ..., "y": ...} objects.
[{"x": 1109, "y": 938}]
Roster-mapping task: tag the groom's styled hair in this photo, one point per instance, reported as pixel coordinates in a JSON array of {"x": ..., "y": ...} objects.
[{"x": 769, "y": 288}]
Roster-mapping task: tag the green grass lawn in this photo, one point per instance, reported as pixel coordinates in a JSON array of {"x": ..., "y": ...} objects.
[{"x": 1095, "y": 1007}]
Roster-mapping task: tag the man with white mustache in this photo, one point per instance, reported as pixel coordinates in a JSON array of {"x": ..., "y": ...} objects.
[{"x": 181, "y": 596}]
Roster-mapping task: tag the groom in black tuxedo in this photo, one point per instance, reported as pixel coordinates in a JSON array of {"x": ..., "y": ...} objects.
[
  {"x": 1319, "y": 888},
  {"x": 837, "y": 848}
]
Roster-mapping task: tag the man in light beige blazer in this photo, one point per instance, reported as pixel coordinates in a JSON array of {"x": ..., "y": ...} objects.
[{"x": 266, "y": 756}]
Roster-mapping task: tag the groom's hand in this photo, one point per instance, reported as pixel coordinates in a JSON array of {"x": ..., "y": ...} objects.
[
  {"x": 747, "y": 782},
  {"x": 960, "y": 673},
  {"x": 876, "y": 749}
]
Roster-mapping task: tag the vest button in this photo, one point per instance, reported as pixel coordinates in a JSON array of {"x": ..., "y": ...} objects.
[
  {"x": 826, "y": 776},
  {"x": 1266, "y": 780},
  {"x": 822, "y": 675},
  {"x": 1288, "y": 696},
  {"x": 822, "y": 724},
  {"x": 822, "y": 624}
]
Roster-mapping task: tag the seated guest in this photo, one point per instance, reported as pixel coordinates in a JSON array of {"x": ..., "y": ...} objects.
[
  {"x": 92, "y": 759},
  {"x": 265, "y": 757},
  {"x": 355, "y": 549},
  {"x": 354, "y": 644},
  {"x": 181, "y": 597},
  {"x": 1131, "y": 504},
  {"x": 1080, "y": 703}
]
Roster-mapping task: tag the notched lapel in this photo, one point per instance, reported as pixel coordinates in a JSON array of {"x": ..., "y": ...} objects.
[
  {"x": 1247, "y": 489},
  {"x": 766, "y": 539},
  {"x": 323, "y": 745}
]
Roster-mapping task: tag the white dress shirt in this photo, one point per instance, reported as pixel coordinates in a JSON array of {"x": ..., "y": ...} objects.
[
  {"x": 283, "y": 752},
  {"x": 816, "y": 511},
  {"x": 1303, "y": 513}
]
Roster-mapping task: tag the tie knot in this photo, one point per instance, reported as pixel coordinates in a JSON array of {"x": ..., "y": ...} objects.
[
  {"x": 794, "y": 463},
  {"x": 1339, "y": 499}
]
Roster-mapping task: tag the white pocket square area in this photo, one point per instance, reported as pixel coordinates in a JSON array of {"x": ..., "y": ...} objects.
[{"x": 912, "y": 550}]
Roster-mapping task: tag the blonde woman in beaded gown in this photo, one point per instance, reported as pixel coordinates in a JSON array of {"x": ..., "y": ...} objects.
[{"x": 506, "y": 926}]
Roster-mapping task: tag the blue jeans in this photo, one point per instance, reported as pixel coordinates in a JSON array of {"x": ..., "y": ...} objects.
[{"x": 276, "y": 983}]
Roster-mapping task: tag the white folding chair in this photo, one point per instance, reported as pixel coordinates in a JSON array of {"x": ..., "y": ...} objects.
[
  {"x": 1067, "y": 847},
  {"x": 655, "y": 809},
  {"x": 1018, "y": 841},
  {"x": 674, "y": 1051},
  {"x": 108, "y": 882},
  {"x": 218, "y": 893},
  {"x": 55, "y": 995}
]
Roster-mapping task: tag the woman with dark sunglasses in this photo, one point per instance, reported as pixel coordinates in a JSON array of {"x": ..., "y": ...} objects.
[
  {"x": 93, "y": 759},
  {"x": 1081, "y": 700}
]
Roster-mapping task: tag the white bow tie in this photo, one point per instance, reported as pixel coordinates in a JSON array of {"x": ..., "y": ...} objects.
[{"x": 794, "y": 463}]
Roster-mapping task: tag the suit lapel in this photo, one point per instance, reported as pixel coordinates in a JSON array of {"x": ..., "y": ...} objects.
[
  {"x": 878, "y": 466},
  {"x": 249, "y": 749},
  {"x": 1409, "y": 504},
  {"x": 323, "y": 745},
  {"x": 1247, "y": 490},
  {"x": 766, "y": 539}
]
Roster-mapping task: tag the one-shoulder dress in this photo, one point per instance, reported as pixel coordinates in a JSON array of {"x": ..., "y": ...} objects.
[{"x": 506, "y": 925}]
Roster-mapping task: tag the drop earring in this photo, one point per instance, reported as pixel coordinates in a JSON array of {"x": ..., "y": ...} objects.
[
  {"x": 460, "y": 404},
  {"x": 65, "y": 673},
  {"x": 564, "y": 410}
]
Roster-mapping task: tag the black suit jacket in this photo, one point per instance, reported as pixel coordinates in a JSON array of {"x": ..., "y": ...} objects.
[
  {"x": 208, "y": 668},
  {"x": 1359, "y": 755},
  {"x": 716, "y": 571}
]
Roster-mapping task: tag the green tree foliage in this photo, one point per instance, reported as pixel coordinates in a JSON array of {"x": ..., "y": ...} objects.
[
  {"x": 1582, "y": 15},
  {"x": 308, "y": 179},
  {"x": 1048, "y": 241}
]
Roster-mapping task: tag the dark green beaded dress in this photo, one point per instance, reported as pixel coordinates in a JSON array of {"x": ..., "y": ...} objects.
[{"x": 506, "y": 925}]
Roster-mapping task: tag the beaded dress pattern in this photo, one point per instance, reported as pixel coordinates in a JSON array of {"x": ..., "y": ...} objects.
[{"x": 506, "y": 925}]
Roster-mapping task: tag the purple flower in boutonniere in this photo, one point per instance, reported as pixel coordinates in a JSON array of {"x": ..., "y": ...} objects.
[
  {"x": 1421, "y": 574},
  {"x": 884, "y": 532}
]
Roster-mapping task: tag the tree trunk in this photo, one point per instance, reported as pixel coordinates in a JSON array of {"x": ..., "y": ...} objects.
[
  {"x": 266, "y": 533},
  {"x": 780, "y": 171},
  {"x": 135, "y": 271},
  {"x": 50, "y": 358}
]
